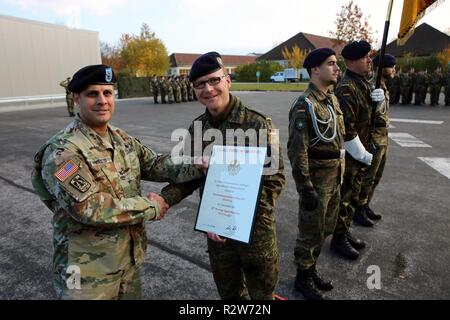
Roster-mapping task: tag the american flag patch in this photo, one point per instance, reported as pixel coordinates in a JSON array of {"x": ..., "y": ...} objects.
[{"x": 66, "y": 171}]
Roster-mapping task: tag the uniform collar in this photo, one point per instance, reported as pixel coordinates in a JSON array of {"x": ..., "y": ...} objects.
[
  {"x": 318, "y": 94},
  {"x": 233, "y": 113},
  {"x": 93, "y": 135},
  {"x": 356, "y": 76}
]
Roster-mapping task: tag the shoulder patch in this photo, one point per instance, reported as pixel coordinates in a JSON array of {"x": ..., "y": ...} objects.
[
  {"x": 66, "y": 171},
  {"x": 79, "y": 183}
]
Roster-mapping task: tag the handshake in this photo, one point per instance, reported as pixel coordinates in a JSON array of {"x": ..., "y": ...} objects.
[
  {"x": 201, "y": 163},
  {"x": 162, "y": 204}
]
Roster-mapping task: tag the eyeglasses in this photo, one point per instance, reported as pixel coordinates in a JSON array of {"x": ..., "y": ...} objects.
[{"x": 211, "y": 81}]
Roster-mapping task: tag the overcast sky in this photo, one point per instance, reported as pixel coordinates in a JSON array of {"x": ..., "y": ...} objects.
[{"x": 198, "y": 26}]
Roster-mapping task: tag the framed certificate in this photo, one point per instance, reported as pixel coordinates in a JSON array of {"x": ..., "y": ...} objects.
[{"x": 231, "y": 193}]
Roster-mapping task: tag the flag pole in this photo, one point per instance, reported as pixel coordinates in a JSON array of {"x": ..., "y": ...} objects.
[{"x": 383, "y": 43}]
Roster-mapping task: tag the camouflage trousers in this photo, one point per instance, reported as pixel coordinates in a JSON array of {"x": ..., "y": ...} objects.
[
  {"x": 447, "y": 95},
  {"x": 163, "y": 96},
  {"x": 350, "y": 190},
  {"x": 419, "y": 95},
  {"x": 316, "y": 225},
  {"x": 372, "y": 175},
  {"x": 435, "y": 91},
  {"x": 123, "y": 285},
  {"x": 70, "y": 103},
  {"x": 170, "y": 95},
  {"x": 155, "y": 96},
  {"x": 243, "y": 271}
]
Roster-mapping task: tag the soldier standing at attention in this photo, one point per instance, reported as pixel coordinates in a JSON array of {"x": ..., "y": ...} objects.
[
  {"x": 436, "y": 81},
  {"x": 89, "y": 176},
  {"x": 240, "y": 270},
  {"x": 155, "y": 88},
  {"x": 316, "y": 152},
  {"x": 69, "y": 98},
  {"x": 447, "y": 86},
  {"x": 163, "y": 89},
  {"x": 355, "y": 97},
  {"x": 394, "y": 88},
  {"x": 170, "y": 89},
  {"x": 379, "y": 139}
]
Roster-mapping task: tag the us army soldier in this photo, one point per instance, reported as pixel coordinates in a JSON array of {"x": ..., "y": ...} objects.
[{"x": 89, "y": 176}]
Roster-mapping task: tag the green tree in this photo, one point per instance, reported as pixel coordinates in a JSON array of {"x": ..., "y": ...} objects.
[
  {"x": 144, "y": 55},
  {"x": 247, "y": 72}
]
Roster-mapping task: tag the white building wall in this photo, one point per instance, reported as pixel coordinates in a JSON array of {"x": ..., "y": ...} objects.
[{"x": 35, "y": 57}]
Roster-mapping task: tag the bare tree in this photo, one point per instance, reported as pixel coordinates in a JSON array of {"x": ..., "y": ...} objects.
[{"x": 350, "y": 25}]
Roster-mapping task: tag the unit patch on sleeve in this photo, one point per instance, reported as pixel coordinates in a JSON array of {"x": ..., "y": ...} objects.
[{"x": 79, "y": 183}]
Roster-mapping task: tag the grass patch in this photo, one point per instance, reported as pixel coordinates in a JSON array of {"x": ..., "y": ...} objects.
[{"x": 240, "y": 86}]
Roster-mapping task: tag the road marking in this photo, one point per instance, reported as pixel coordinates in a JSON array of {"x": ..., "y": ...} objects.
[
  {"x": 391, "y": 126},
  {"x": 408, "y": 141},
  {"x": 442, "y": 165},
  {"x": 416, "y": 121}
]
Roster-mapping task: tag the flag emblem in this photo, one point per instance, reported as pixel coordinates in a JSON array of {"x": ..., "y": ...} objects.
[{"x": 68, "y": 169}]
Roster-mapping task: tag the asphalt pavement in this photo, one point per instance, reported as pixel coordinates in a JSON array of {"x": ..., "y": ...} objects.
[{"x": 409, "y": 246}]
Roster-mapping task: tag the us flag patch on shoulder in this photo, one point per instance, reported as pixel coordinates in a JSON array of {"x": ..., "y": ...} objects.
[{"x": 68, "y": 169}]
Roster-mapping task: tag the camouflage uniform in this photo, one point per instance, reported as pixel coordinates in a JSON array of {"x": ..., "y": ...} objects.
[
  {"x": 353, "y": 93},
  {"x": 163, "y": 89},
  {"x": 177, "y": 90},
  {"x": 419, "y": 88},
  {"x": 190, "y": 90},
  {"x": 447, "y": 87},
  {"x": 183, "y": 87},
  {"x": 394, "y": 89},
  {"x": 379, "y": 142},
  {"x": 170, "y": 90},
  {"x": 242, "y": 270},
  {"x": 155, "y": 89},
  {"x": 69, "y": 97},
  {"x": 406, "y": 85},
  {"x": 92, "y": 185},
  {"x": 436, "y": 82},
  {"x": 315, "y": 166}
]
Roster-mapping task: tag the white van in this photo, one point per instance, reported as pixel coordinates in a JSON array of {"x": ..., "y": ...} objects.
[{"x": 277, "y": 77}]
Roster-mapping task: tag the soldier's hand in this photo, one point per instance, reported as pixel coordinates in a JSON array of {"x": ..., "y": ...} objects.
[
  {"x": 161, "y": 202},
  {"x": 310, "y": 199},
  {"x": 202, "y": 163},
  {"x": 215, "y": 237}
]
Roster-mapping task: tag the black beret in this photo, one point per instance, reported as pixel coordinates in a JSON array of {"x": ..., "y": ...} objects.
[
  {"x": 317, "y": 56},
  {"x": 388, "y": 62},
  {"x": 205, "y": 64},
  {"x": 95, "y": 74},
  {"x": 356, "y": 50}
]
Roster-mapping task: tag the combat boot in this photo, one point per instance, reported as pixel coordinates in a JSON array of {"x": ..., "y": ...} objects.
[
  {"x": 321, "y": 283},
  {"x": 355, "y": 242},
  {"x": 340, "y": 244},
  {"x": 361, "y": 217},
  {"x": 304, "y": 283},
  {"x": 371, "y": 214}
]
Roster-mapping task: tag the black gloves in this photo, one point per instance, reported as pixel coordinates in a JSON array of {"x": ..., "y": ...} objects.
[{"x": 310, "y": 199}]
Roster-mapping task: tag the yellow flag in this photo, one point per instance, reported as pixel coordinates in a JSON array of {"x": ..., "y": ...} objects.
[{"x": 413, "y": 11}]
